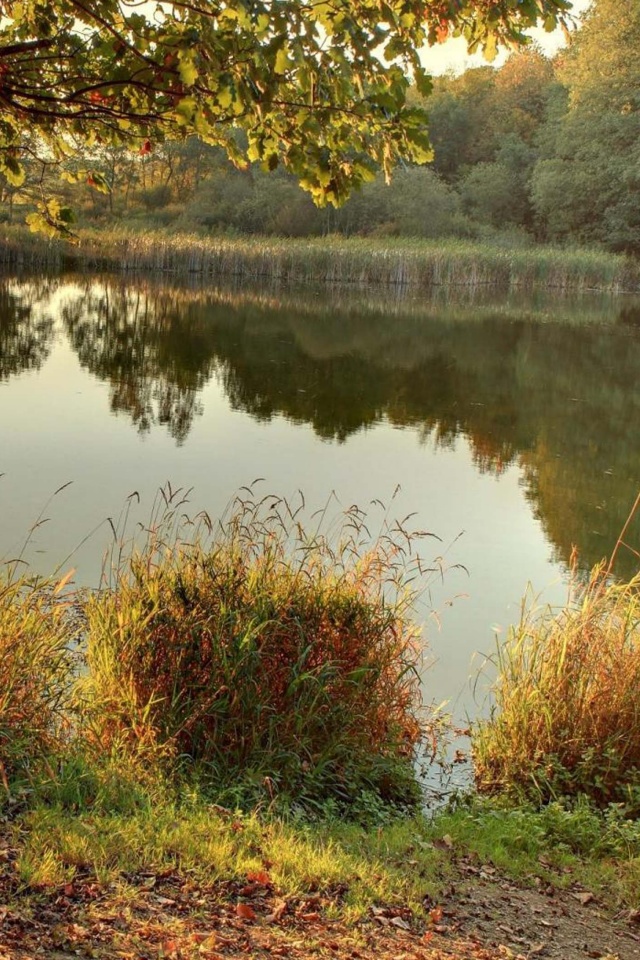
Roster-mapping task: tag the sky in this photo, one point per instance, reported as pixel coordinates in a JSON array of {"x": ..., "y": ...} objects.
[{"x": 453, "y": 56}]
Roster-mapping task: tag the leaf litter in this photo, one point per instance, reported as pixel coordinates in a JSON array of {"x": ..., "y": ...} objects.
[{"x": 167, "y": 916}]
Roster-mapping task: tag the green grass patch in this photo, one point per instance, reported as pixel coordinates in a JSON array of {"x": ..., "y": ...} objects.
[
  {"x": 406, "y": 863},
  {"x": 561, "y": 844},
  {"x": 215, "y": 846}
]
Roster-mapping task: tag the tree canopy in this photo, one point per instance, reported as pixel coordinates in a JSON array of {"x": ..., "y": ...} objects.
[
  {"x": 585, "y": 184},
  {"x": 317, "y": 86}
]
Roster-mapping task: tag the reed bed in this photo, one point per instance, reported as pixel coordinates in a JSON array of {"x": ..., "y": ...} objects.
[
  {"x": 401, "y": 262},
  {"x": 336, "y": 260},
  {"x": 21, "y": 249},
  {"x": 567, "y": 715},
  {"x": 258, "y": 657}
]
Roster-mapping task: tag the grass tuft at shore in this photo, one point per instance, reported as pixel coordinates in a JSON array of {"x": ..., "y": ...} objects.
[
  {"x": 566, "y": 720},
  {"x": 36, "y": 672},
  {"x": 260, "y": 656}
]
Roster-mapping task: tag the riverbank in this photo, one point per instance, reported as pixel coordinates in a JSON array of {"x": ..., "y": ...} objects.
[
  {"x": 400, "y": 262},
  {"x": 190, "y": 880},
  {"x": 215, "y": 756},
  {"x": 113, "y": 844}
]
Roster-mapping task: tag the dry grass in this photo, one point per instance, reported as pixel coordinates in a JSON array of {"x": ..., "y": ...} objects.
[
  {"x": 567, "y": 714},
  {"x": 36, "y": 666},
  {"x": 421, "y": 263},
  {"x": 262, "y": 656}
]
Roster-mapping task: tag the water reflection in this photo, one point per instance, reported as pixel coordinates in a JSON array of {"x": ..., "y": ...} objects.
[
  {"x": 549, "y": 385},
  {"x": 25, "y": 334},
  {"x": 155, "y": 350}
]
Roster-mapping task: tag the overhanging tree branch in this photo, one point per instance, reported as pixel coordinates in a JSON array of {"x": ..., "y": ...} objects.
[{"x": 318, "y": 87}]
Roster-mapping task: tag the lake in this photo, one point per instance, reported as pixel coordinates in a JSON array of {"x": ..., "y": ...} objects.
[{"x": 509, "y": 422}]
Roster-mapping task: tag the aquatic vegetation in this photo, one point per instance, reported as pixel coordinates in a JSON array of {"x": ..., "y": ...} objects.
[
  {"x": 37, "y": 634},
  {"x": 423, "y": 263}
]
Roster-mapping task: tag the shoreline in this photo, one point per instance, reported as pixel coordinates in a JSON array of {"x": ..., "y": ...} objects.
[{"x": 405, "y": 263}]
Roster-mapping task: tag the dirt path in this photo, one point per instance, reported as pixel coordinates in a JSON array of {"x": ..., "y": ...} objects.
[{"x": 168, "y": 917}]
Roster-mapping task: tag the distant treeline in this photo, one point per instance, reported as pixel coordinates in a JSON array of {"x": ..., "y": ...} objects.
[{"x": 539, "y": 149}]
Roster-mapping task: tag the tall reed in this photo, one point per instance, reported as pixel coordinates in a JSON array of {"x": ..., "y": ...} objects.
[
  {"x": 37, "y": 636},
  {"x": 397, "y": 262},
  {"x": 21, "y": 248},
  {"x": 357, "y": 260},
  {"x": 260, "y": 654},
  {"x": 567, "y": 711}
]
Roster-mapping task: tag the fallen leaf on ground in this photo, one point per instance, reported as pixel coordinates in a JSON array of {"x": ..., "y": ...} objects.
[
  {"x": 584, "y": 898},
  {"x": 259, "y": 876},
  {"x": 208, "y": 945},
  {"x": 279, "y": 909},
  {"x": 245, "y": 912}
]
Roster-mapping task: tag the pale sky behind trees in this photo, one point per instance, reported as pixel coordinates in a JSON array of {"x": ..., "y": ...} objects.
[{"x": 453, "y": 56}]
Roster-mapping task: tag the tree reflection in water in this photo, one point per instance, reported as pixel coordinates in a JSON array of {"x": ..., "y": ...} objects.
[
  {"x": 26, "y": 336},
  {"x": 546, "y": 384},
  {"x": 155, "y": 350}
]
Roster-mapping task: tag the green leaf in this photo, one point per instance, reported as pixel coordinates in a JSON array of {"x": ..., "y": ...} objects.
[
  {"x": 12, "y": 169},
  {"x": 490, "y": 47},
  {"x": 282, "y": 61},
  {"x": 187, "y": 67},
  {"x": 225, "y": 97},
  {"x": 186, "y": 110},
  {"x": 423, "y": 82}
]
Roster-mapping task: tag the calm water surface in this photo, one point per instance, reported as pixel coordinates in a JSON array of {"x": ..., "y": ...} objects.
[{"x": 511, "y": 424}]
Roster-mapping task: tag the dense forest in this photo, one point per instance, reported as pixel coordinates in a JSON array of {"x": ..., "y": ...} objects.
[{"x": 536, "y": 150}]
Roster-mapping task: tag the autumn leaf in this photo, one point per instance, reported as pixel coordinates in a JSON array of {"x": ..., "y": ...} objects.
[
  {"x": 169, "y": 948},
  {"x": 279, "y": 910},
  {"x": 435, "y": 915},
  {"x": 245, "y": 912},
  {"x": 584, "y": 898}
]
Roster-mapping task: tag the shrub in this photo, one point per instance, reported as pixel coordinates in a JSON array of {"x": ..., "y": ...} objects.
[
  {"x": 36, "y": 640},
  {"x": 262, "y": 656},
  {"x": 567, "y": 714}
]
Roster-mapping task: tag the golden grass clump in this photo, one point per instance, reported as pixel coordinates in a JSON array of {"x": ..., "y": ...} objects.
[
  {"x": 36, "y": 660},
  {"x": 567, "y": 701},
  {"x": 260, "y": 655}
]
